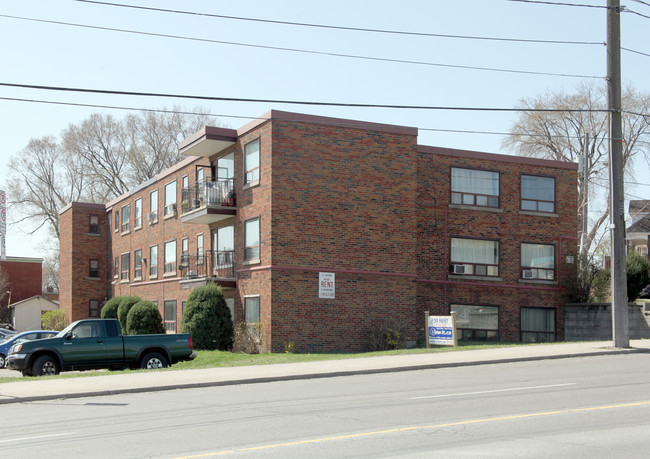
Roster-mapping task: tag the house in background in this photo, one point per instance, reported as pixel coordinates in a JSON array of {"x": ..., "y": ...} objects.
[
  {"x": 637, "y": 234},
  {"x": 26, "y": 314},
  {"x": 320, "y": 230},
  {"x": 25, "y": 278}
]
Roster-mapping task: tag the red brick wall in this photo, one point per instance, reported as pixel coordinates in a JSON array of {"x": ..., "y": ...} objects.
[
  {"x": 439, "y": 221},
  {"x": 24, "y": 276},
  {"x": 77, "y": 247}
]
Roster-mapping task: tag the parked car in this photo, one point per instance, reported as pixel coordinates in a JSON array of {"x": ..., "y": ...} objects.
[
  {"x": 96, "y": 344},
  {"x": 5, "y": 333},
  {"x": 645, "y": 293},
  {"x": 17, "y": 338}
]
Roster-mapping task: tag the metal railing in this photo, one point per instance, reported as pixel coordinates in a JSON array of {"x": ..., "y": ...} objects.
[
  {"x": 208, "y": 192},
  {"x": 218, "y": 264}
]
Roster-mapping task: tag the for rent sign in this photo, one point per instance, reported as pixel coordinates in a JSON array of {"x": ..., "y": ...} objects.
[
  {"x": 441, "y": 330},
  {"x": 326, "y": 285}
]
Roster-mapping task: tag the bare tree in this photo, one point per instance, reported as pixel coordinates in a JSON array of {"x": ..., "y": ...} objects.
[
  {"x": 96, "y": 160},
  {"x": 51, "y": 270},
  {"x": 154, "y": 139},
  {"x": 43, "y": 180},
  {"x": 561, "y": 136}
]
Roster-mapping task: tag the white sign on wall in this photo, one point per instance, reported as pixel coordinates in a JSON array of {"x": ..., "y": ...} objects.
[{"x": 326, "y": 285}]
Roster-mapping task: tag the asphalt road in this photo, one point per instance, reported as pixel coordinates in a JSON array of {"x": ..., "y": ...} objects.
[{"x": 583, "y": 407}]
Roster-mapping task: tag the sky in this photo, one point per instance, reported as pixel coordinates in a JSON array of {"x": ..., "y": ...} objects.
[{"x": 255, "y": 58}]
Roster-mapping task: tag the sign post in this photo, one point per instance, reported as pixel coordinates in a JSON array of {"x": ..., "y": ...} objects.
[{"x": 441, "y": 330}]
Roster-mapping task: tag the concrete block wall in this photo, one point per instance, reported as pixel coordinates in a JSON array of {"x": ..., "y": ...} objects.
[{"x": 593, "y": 321}]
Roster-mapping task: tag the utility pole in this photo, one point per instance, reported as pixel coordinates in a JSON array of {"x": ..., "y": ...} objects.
[
  {"x": 620, "y": 332},
  {"x": 586, "y": 165}
]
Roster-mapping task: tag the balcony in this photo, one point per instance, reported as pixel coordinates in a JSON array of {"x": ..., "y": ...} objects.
[
  {"x": 212, "y": 266},
  {"x": 208, "y": 201},
  {"x": 208, "y": 141}
]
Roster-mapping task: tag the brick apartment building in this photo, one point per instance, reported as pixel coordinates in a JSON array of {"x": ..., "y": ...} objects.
[
  {"x": 319, "y": 229},
  {"x": 24, "y": 279}
]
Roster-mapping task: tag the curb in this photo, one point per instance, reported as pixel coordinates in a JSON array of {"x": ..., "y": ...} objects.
[{"x": 331, "y": 374}]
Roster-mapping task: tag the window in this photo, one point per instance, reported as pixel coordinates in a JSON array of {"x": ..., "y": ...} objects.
[
  {"x": 230, "y": 303},
  {"x": 93, "y": 224},
  {"x": 477, "y": 323},
  {"x": 474, "y": 257},
  {"x": 126, "y": 218},
  {"x": 116, "y": 267},
  {"x": 252, "y": 162},
  {"x": 474, "y": 188},
  {"x": 137, "y": 264},
  {"x": 252, "y": 314},
  {"x": 537, "y": 193},
  {"x": 137, "y": 213},
  {"x": 117, "y": 220},
  {"x": 185, "y": 182},
  {"x": 170, "y": 198},
  {"x": 170, "y": 315},
  {"x": 153, "y": 261},
  {"x": 153, "y": 206},
  {"x": 537, "y": 325},
  {"x": 226, "y": 166},
  {"x": 170, "y": 257},
  {"x": 93, "y": 308},
  {"x": 199, "y": 248},
  {"x": 94, "y": 268},
  {"x": 126, "y": 266},
  {"x": 185, "y": 246},
  {"x": 537, "y": 261},
  {"x": 252, "y": 239}
]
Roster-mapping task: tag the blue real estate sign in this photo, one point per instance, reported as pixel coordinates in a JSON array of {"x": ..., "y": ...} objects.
[{"x": 441, "y": 330}]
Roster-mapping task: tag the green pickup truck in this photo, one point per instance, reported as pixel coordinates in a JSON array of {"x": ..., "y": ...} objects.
[{"x": 95, "y": 344}]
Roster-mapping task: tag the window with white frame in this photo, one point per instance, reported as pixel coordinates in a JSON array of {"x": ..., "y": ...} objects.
[
  {"x": 537, "y": 193},
  {"x": 252, "y": 162},
  {"x": 117, "y": 220},
  {"x": 252, "y": 314},
  {"x": 153, "y": 261},
  {"x": 153, "y": 206},
  {"x": 476, "y": 257},
  {"x": 126, "y": 218},
  {"x": 93, "y": 308},
  {"x": 252, "y": 239},
  {"x": 474, "y": 187},
  {"x": 170, "y": 198},
  {"x": 93, "y": 224},
  {"x": 537, "y": 261},
  {"x": 137, "y": 213},
  {"x": 477, "y": 323},
  {"x": 125, "y": 266},
  {"x": 169, "y": 315},
  {"x": 170, "y": 257},
  {"x": 137, "y": 264},
  {"x": 199, "y": 248},
  {"x": 93, "y": 269},
  {"x": 116, "y": 267},
  {"x": 230, "y": 303}
]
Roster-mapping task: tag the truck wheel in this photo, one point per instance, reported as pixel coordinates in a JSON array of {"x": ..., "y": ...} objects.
[
  {"x": 3, "y": 361},
  {"x": 45, "y": 366},
  {"x": 153, "y": 360}
]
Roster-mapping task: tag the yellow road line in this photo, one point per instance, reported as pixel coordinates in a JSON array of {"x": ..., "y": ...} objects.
[{"x": 412, "y": 428}]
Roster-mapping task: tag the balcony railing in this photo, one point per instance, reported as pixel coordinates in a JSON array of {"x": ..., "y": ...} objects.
[
  {"x": 215, "y": 264},
  {"x": 208, "y": 192}
]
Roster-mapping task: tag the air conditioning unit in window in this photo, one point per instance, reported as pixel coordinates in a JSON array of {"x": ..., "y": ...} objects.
[
  {"x": 152, "y": 216},
  {"x": 526, "y": 273},
  {"x": 170, "y": 209},
  {"x": 458, "y": 269}
]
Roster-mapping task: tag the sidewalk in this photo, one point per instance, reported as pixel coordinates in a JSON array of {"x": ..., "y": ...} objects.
[{"x": 34, "y": 389}]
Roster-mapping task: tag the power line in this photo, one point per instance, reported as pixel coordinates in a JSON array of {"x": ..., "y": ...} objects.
[
  {"x": 558, "y": 3},
  {"x": 635, "y": 12},
  {"x": 642, "y": 2},
  {"x": 295, "y": 102},
  {"x": 636, "y": 52},
  {"x": 304, "y": 51},
  {"x": 335, "y": 27}
]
